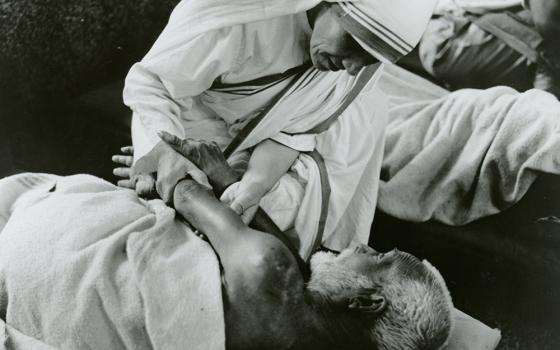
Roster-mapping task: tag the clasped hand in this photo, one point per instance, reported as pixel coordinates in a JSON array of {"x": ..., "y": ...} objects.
[{"x": 174, "y": 159}]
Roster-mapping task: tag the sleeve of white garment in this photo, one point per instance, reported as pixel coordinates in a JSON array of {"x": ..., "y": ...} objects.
[
  {"x": 299, "y": 142},
  {"x": 487, "y": 5},
  {"x": 159, "y": 89}
]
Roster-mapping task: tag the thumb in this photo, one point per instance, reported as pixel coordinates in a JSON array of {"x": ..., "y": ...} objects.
[
  {"x": 145, "y": 187},
  {"x": 249, "y": 214},
  {"x": 237, "y": 207},
  {"x": 229, "y": 194}
]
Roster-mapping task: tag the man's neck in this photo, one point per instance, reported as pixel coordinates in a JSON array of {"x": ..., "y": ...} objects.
[
  {"x": 330, "y": 328},
  {"x": 316, "y": 324}
]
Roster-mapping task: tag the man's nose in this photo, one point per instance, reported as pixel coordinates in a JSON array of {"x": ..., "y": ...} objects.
[{"x": 364, "y": 248}]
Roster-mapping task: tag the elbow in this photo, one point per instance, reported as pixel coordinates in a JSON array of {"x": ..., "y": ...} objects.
[
  {"x": 186, "y": 192},
  {"x": 131, "y": 84},
  {"x": 139, "y": 83}
]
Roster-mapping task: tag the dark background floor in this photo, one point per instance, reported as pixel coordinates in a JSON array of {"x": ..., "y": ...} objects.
[{"x": 62, "y": 63}]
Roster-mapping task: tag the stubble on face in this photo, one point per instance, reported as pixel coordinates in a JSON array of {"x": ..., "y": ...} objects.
[{"x": 330, "y": 278}]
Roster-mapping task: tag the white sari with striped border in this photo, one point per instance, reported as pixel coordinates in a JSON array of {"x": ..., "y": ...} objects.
[{"x": 211, "y": 100}]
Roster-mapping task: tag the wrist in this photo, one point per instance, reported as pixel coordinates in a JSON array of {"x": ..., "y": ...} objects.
[
  {"x": 257, "y": 187},
  {"x": 187, "y": 192},
  {"x": 221, "y": 178},
  {"x": 257, "y": 181}
]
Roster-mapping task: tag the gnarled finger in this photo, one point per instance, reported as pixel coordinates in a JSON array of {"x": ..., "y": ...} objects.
[
  {"x": 145, "y": 188},
  {"x": 124, "y": 160},
  {"x": 165, "y": 187},
  {"x": 171, "y": 140},
  {"x": 237, "y": 207},
  {"x": 122, "y": 172},
  {"x": 128, "y": 150},
  {"x": 249, "y": 213},
  {"x": 126, "y": 184}
]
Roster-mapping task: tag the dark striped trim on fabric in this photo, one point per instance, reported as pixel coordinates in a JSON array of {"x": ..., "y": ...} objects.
[
  {"x": 240, "y": 137},
  {"x": 248, "y": 90},
  {"x": 254, "y": 86},
  {"x": 369, "y": 38},
  {"x": 304, "y": 80},
  {"x": 365, "y": 76},
  {"x": 386, "y": 32},
  {"x": 325, "y": 199}
]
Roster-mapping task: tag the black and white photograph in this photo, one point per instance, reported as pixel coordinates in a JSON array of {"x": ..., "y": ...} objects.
[{"x": 280, "y": 174}]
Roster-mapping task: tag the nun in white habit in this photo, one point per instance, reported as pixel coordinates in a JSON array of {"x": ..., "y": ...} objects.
[{"x": 291, "y": 80}]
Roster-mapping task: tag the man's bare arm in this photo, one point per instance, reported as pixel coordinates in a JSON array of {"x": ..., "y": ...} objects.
[
  {"x": 220, "y": 175},
  {"x": 250, "y": 258},
  {"x": 209, "y": 158}
]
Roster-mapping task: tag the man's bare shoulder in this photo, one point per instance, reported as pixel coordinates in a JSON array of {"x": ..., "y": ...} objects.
[
  {"x": 269, "y": 315},
  {"x": 272, "y": 269}
]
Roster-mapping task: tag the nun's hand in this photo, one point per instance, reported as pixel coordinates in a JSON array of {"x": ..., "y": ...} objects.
[
  {"x": 143, "y": 184},
  {"x": 244, "y": 199}
]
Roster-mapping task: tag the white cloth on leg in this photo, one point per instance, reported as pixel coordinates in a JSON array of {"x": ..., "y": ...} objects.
[{"x": 456, "y": 157}]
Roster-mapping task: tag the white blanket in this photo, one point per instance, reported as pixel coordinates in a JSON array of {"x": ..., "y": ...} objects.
[
  {"x": 456, "y": 157},
  {"x": 90, "y": 266}
]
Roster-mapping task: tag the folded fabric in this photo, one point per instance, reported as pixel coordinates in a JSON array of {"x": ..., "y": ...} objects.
[
  {"x": 457, "y": 157},
  {"x": 470, "y": 334},
  {"x": 86, "y": 265},
  {"x": 12, "y": 339}
]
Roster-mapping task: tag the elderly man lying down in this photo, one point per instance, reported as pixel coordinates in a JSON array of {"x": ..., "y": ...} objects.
[{"x": 83, "y": 265}]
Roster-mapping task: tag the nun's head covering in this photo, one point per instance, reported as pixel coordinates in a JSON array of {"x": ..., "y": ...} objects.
[{"x": 387, "y": 29}]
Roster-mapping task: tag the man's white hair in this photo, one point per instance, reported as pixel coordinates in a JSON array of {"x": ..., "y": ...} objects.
[
  {"x": 418, "y": 316},
  {"x": 419, "y": 309}
]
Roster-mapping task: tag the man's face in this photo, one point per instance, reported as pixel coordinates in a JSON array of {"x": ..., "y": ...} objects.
[
  {"x": 379, "y": 268},
  {"x": 332, "y": 48},
  {"x": 395, "y": 288}
]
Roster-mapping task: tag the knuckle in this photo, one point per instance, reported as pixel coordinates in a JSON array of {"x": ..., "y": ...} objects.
[{"x": 159, "y": 186}]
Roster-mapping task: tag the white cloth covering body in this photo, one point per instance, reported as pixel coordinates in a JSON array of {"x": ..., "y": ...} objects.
[
  {"x": 85, "y": 265},
  {"x": 188, "y": 85},
  {"x": 91, "y": 266}
]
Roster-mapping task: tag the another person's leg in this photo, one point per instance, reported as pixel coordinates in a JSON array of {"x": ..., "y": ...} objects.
[
  {"x": 460, "y": 54},
  {"x": 546, "y": 16}
]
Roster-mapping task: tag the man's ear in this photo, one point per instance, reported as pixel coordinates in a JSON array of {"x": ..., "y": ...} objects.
[{"x": 368, "y": 301}]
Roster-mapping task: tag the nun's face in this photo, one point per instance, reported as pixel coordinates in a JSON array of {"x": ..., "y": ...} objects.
[{"x": 332, "y": 48}]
